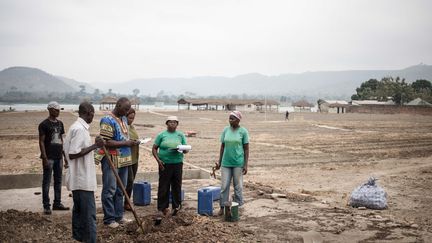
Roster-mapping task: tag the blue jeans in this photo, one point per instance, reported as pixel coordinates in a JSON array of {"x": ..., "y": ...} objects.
[
  {"x": 236, "y": 173},
  {"x": 112, "y": 195},
  {"x": 84, "y": 216},
  {"x": 56, "y": 166}
]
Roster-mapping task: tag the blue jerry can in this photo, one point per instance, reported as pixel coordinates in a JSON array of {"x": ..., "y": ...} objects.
[
  {"x": 205, "y": 201},
  {"x": 215, "y": 190},
  {"x": 141, "y": 193}
]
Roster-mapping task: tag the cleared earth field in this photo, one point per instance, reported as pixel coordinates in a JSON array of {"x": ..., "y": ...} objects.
[{"x": 318, "y": 156}]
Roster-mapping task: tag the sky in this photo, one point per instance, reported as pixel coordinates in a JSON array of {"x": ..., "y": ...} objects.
[{"x": 114, "y": 41}]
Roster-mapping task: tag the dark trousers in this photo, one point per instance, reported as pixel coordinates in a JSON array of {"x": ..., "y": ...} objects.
[
  {"x": 171, "y": 176},
  {"x": 84, "y": 216},
  {"x": 131, "y": 177},
  {"x": 55, "y": 166}
]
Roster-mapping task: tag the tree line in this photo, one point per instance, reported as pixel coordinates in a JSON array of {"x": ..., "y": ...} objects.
[
  {"x": 396, "y": 89},
  {"x": 16, "y": 96},
  {"x": 388, "y": 88}
]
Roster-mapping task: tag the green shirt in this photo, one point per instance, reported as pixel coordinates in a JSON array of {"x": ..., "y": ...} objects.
[
  {"x": 233, "y": 155},
  {"x": 134, "y": 149},
  {"x": 167, "y": 143}
]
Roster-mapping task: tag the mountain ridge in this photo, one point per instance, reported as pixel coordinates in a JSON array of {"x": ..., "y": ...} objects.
[
  {"x": 312, "y": 84},
  {"x": 26, "y": 79},
  {"x": 317, "y": 83}
]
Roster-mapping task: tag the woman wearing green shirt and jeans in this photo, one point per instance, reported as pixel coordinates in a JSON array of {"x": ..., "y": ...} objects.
[
  {"x": 170, "y": 162},
  {"x": 233, "y": 157}
]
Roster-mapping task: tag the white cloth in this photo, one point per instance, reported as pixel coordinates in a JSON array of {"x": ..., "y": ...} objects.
[
  {"x": 81, "y": 174},
  {"x": 53, "y": 105}
]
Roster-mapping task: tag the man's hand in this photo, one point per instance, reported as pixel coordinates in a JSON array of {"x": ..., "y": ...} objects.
[
  {"x": 65, "y": 163},
  {"x": 131, "y": 143},
  {"x": 99, "y": 141},
  {"x": 44, "y": 162}
]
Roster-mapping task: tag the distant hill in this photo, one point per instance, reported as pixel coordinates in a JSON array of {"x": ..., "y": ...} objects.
[
  {"x": 313, "y": 84},
  {"x": 322, "y": 84},
  {"x": 32, "y": 80},
  {"x": 76, "y": 84}
]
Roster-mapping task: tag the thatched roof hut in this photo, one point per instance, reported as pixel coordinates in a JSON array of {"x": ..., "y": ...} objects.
[
  {"x": 227, "y": 104},
  {"x": 302, "y": 104},
  {"x": 107, "y": 103},
  {"x": 135, "y": 103}
]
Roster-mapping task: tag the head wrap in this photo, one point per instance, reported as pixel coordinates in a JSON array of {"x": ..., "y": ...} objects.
[
  {"x": 172, "y": 118},
  {"x": 53, "y": 105},
  {"x": 237, "y": 114}
]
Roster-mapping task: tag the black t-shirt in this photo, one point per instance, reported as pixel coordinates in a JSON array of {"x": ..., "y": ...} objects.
[{"x": 53, "y": 132}]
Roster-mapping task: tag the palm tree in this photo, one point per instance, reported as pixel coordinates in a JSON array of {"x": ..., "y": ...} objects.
[{"x": 135, "y": 92}]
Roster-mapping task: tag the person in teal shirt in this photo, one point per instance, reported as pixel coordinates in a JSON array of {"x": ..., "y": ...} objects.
[
  {"x": 170, "y": 161},
  {"x": 233, "y": 159}
]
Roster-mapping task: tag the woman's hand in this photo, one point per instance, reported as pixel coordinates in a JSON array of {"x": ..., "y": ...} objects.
[
  {"x": 217, "y": 167},
  {"x": 221, "y": 152},
  {"x": 161, "y": 165},
  {"x": 156, "y": 156},
  {"x": 245, "y": 170}
]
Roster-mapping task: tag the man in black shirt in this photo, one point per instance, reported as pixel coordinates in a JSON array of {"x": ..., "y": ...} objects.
[{"x": 51, "y": 132}]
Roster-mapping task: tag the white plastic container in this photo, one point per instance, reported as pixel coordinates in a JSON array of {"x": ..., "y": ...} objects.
[{"x": 184, "y": 147}]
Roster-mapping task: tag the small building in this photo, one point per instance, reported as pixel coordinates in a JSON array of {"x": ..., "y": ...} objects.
[
  {"x": 302, "y": 106},
  {"x": 107, "y": 103},
  {"x": 419, "y": 102},
  {"x": 202, "y": 104},
  {"x": 135, "y": 103},
  {"x": 262, "y": 105},
  {"x": 159, "y": 104},
  {"x": 371, "y": 102},
  {"x": 229, "y": 104},
  {"x": 332, "y": 106}
]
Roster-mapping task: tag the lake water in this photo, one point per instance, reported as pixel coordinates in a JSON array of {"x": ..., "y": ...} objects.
[
  {"x": 70, "y": 107},
  {"x": 74, "y": 107}
]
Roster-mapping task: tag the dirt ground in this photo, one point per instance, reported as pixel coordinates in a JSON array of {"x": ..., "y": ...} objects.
[
  {"x": 313, "y": 160},
  {"x": 187, "y": 226}
]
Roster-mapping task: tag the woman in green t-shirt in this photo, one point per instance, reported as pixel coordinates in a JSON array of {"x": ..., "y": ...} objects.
[
  {"x": 170, "y": 161},
  {"x": 233, "y": 158}
]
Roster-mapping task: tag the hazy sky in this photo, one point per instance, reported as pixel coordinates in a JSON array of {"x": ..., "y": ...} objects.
[{"x": 113, "y": 41}]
